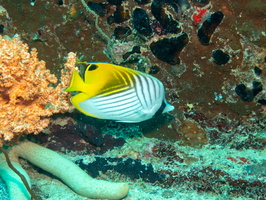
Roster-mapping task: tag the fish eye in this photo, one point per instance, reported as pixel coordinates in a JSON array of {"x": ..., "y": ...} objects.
[{"x": 92, "y": 67}]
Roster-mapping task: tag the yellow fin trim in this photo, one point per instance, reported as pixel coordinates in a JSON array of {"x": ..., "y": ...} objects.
[
  {"x": 75, "y": 100},
  {"x": 103, "y": 93}
]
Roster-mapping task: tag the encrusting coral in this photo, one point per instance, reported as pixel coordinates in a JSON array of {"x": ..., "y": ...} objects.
[{"x": 27, "y": 98}]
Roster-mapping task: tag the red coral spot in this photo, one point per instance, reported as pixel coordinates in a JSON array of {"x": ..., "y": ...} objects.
[
  {"x": 232, "y": 159},
  {"x": 244, "y": 160},
  {"x": 197, "y": 17},
  {"x": 239, "y": 160}
]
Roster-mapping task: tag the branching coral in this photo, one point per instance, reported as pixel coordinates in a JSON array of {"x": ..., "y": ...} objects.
[{"x": 27, "y": 98}]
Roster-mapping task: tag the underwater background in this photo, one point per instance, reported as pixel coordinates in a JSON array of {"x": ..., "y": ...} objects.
[{"x": 211, "y": 57}]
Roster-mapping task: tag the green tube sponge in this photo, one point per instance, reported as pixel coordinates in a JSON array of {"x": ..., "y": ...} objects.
[{"x": 68, "y": 172}]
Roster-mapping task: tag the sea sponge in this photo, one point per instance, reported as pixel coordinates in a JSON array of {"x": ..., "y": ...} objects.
[{"x": 67, "y": 171}]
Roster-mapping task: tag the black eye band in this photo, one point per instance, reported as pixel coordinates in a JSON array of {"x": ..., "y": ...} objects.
[{"x": 92, "y": 67}]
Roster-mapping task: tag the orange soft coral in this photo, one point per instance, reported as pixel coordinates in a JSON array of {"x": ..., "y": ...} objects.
[{"x": 27, "y": 98}]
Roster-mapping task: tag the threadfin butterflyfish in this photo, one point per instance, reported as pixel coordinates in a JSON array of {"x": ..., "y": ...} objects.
[{"x": 117, "y": 93}]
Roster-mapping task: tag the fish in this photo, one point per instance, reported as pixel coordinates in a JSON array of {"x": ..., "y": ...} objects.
[{"x": 112, "y": 92}]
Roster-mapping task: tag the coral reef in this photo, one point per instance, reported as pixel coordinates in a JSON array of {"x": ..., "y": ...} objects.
[
  {"x": 211, "y": 169},
  {"x": 212, "y": 146},
  {"x": 83, "y": 137},
  {"x": 28, "y": 94}
]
